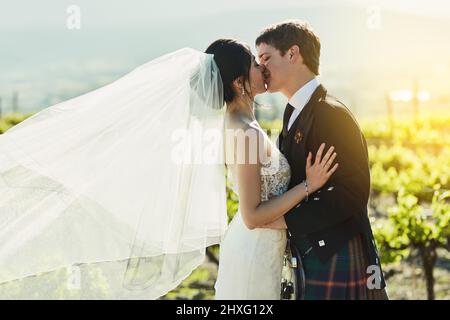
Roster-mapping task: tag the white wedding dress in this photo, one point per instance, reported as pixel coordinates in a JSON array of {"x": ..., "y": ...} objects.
[{"x": 251, "y": 260}]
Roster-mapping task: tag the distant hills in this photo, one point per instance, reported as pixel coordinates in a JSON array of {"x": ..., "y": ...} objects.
[{"x": 48, "y": 64}]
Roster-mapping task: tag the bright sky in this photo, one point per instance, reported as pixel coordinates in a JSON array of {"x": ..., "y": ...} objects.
[
  {"x": 432, "y": 8},
  {"x": 119, "y": 33},
  {"x": 24, "y": 13}
]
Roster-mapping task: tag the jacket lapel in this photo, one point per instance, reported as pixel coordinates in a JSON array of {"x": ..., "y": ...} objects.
[{"x": 293, "y": 144}]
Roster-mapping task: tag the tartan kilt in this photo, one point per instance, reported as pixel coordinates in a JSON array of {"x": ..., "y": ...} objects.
[{"x": 342, "y": 277}]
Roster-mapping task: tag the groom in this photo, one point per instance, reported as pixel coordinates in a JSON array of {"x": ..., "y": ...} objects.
[{"x": 330, "y": 229}]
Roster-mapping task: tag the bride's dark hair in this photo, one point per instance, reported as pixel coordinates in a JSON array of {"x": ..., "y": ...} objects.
[{"x": 233, "y": 58}]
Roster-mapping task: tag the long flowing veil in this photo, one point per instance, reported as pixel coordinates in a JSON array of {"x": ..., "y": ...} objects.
[{"x": 115, "y": 194}]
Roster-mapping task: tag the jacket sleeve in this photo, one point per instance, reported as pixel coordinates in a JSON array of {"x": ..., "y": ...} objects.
[{"x": 347, "y": 192}]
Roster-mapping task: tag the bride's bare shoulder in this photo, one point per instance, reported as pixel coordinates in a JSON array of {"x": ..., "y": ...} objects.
[
  {"x": 237, "y": 132},
  {"x": 234, "y": 122}
]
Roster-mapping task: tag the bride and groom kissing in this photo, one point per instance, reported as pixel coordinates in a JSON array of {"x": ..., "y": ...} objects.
[
  {"x": 323, "y": 205},
  {"x": 95, "y": 187}
]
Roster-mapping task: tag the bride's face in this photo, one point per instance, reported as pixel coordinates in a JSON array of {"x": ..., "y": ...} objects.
[{"x": 256, "y": 75}]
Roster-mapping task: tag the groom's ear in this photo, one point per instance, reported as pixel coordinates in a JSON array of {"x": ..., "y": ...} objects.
[{"x": 294, "y": 54}]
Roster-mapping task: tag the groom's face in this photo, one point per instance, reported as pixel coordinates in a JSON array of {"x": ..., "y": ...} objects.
[{"x": 276, "y": 67}]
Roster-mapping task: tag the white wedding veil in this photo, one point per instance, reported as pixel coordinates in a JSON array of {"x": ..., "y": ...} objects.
[{"x": 115, "y": 194}]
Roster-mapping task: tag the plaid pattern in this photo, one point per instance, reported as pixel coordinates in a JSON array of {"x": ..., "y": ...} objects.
[{"x": 343, "y": 277}]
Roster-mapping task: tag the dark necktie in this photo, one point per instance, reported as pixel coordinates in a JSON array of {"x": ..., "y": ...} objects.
[{"x": 287, "y": 115}]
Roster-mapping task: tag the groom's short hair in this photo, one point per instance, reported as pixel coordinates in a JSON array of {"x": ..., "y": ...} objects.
[{"x": 284, "y": 35}]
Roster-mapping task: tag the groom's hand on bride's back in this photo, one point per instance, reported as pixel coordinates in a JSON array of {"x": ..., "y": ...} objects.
[{"x": 318, "y": 173}]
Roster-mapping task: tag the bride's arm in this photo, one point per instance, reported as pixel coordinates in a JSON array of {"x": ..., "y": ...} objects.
[
  {"x": 280, "y": 223},
  {"x": 258, "y": 214}
]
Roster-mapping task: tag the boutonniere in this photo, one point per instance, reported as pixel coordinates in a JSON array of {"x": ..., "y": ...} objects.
[{"x": 298, "y": 136}]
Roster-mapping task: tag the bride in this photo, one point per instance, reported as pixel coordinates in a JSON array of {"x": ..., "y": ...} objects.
[{"x": 115, "y": 194}]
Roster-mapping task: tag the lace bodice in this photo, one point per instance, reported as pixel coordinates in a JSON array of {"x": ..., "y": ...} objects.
[{"x": 275, "y": 174}]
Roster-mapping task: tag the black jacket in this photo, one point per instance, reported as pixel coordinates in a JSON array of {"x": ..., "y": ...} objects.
[{"x": 337, "y": 212}]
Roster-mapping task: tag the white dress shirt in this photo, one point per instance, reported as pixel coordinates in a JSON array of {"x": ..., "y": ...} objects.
[{"x": 301, "y": 98}]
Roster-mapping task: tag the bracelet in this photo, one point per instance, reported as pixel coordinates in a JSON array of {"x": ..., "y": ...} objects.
[{"x": 306, "y": 189}]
